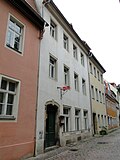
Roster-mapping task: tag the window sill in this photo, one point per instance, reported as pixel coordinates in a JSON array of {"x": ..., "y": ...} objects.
[
  {"x": 14, "y": 49},
  {"x": 7, "y": 117}
]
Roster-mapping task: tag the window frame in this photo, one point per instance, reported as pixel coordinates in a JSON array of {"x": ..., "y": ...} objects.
[
  {"x": 92, "y": 92},
  {"x": 16, "y": 95},
  {"x": 77, "y": 120},
  {"x": 76, "y": 82},
  {"x": 65, "y": 42},
  {"x": 66, "y": 126},
  {"x": 75, "y": 53},
  {"x": 22, "y": 26},
  {"x": 52, "y": 67},
  {"x": 53, "y": 29},
  {"x": 82, "y": 59},
  {"x": 66, "y": 76},
  {"x": 83, "y": 86},
  {"x": 85, "y": 117}
]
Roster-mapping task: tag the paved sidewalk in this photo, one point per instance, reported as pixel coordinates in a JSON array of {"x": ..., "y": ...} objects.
[{"x": 95, "y": 148}]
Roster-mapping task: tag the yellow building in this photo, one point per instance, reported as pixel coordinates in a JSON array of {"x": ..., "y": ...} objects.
[{"x": 98, "y": 107}]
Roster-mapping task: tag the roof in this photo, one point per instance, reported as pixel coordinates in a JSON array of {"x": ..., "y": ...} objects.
[
  {"x": 29, "y": 12},
  {"x": 85, "y": 45},
  {"x": 94, "y": 60}
]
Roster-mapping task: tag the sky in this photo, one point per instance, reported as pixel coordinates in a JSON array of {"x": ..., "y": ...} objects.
[{"x": 98, "y": 23}]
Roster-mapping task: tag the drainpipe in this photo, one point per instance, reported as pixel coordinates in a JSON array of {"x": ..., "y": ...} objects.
[{"x": 90, "y": 55}]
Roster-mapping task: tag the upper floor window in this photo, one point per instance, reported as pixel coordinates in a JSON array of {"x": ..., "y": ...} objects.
[
  {"x": 92, "y": 92},
  {"x": 53, "y": 29},
  {"x": 66, "y": 76},
  {"x": 75, "y": 52},
  {"x": 52, "y": 68},
  {"x": 98, "y": 75},
  {"x": 82, "y": 59},
  {"x": 94, "y": 71},
  {"x": 101, "y": 76},
  {"x": 96, "y": 90},
  {"x": 100, "y": 95},
  {"x": 76, "y": 82},
  {"x": 14, "y": 38},
  {"x": 9, "y": 95},
  {"x": 84, "y": 86},
  {"x": 90, "y": 64},
  {"x": 65, "y": 42}
]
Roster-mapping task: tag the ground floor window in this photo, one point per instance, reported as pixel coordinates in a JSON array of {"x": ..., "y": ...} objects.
[
  {"x": 9, "y": 97},
  {"x": 66, "y": 126},
  {"x": 85, "y": 116},
  {"x": 77, "y": 120}
]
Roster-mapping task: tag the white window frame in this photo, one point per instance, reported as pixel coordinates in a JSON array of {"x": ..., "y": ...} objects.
[
  {"x": 103, "y": 98},
  {"x": 53, "y": 29},
  {"x": 101, "y": 78},
  {"x": 6, "y": 92},
  {"x": 75, "y": 54},
  {"x": 65, "y": 42},
  {"x": 77, "y": 119},
  {"x": 83, "y": 86},
  {"x": 76, "y": 82},
  {"x": 66, "y": 127},
  {"x": 52, "y": 67},
  {"x": 13, "y": 32},
  {"x": 82, "y": 59},
  {"x": 85, "y": 117},
  {"x": 66, "y": 76}
]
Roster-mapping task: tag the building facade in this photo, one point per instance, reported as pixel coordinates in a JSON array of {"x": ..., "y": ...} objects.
[
  {"x": 99, "y": 114},
  {"x": 112, "y": 105},
  {"x": 63, "y": 116},
  {"x": 20, "y": 38}
]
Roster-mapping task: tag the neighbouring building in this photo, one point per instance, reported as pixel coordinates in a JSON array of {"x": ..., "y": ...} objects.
[
  {"x": 99, "y": 114},
  {"x": 20, "y": 36},
  {"x": 112, "y": 105},
  {"x": 63, "y": 116}
]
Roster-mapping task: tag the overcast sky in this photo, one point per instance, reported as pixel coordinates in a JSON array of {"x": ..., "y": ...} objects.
[{"x": 98, "y": 23}]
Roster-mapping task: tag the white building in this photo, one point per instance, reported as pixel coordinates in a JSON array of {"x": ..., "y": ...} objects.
[{"x": 63, "y": 62}]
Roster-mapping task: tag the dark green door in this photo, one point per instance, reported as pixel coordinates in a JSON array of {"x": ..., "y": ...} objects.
[{"x": 50, "y": 126}]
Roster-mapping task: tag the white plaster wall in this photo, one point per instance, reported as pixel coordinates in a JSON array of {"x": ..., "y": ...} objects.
[{"x": 48, "y": 87}]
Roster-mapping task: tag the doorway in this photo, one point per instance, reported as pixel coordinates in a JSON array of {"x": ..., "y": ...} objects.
[
  {"x": 51, "y": 126},
  {"x": 94, "y": 123}
]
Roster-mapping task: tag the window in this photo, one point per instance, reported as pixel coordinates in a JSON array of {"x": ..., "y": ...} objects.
[
  {"x": 66, "y": 76},
  {"x": 84, "y": 86},
  {"x": 85, "y": 114},
  {"x": 98, "y": 75},
  {"x": 94, "y": 71},
  {"x": 77, "y": 119},
  {"x": 103, "y": 98},
  {"x": 100, "y": 96},
  {"x": 92, "y": 92},
  {"x": 99, "y": 120},
  {"x": 66, "y": 126},
  {"x": 75, "y": 52},
  {"x": 9, "y": 90},
  {"x": 65, "y": 42},
  {"x": 90, "y": 64},
  {"x": 52, "y": 68},
  {"x": 101, "y": 78},
  {"x": 96, "y": 91},
  {"x": 15, "y": 35},
  {"x": 76, "y": 82},
  {"x": 53, "y": 29},
  {"x": 82, "y": 59}
]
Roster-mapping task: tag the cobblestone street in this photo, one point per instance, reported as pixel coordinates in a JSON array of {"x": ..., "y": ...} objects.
[{"x": 97, "y": 148}]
